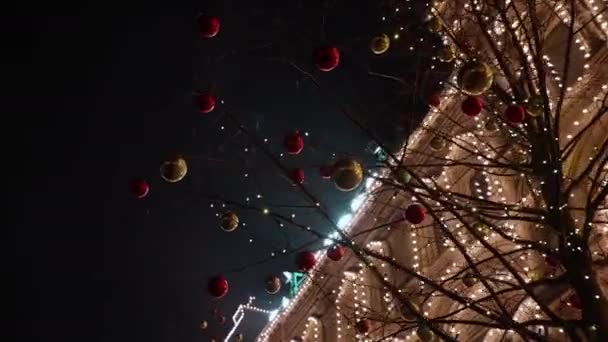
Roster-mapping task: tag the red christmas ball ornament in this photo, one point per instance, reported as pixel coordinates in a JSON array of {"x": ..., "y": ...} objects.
[
  {"x": 363, "y": 326},
  {"x": 218, "y": 286},
  {"x": 140, "y": 188},
  {"x": 273, "y": 284},
  {"x": 326, "y": 57},
  {"x": 551, "y": 261},
  {"x": 336, "y": 252},
  {"x": 434, "y": 100},
  {"x": 515, "y": 114},
  {"x": 415, "y": 213},
  {"x": 215, "y": 312},
  {"x": 294, "y": 143},
  {"x": 326, "y": 171},
  {"x": 205, "y": 103},
  {"x": 575, "y": 302},
  {"x": 305, "y": 261},
  {"x": 472, "y": 106},
  {"x": 221, "y": 320},
  {"x": 297, "y": 176},
  {"x": 208, "y": 26}
]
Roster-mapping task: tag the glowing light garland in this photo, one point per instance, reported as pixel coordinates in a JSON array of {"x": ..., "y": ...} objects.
[{"x": 360, "y": 205}]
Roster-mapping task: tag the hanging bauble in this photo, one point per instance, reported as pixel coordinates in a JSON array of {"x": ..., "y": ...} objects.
[
  {"x": 469, "y": 279},
  {"x": 574, "y": 301},
  {"x": 380, "y": 44},
  {"x": 481, "y": 228},
  {"x": 294, "y": 143},
  {"x": 305, "y": 261},
  {"x": 472, "y": 106},
  {"x": 229, "y": 222},
  {"x": 515, "y": 114},
  {"x": 491, "y": 125},
  {"x": 140, "y": 188},
  {"x": 174, "y": 170},
  {"x": 401, "y": 175},
  {"x": 336, "y": 252},
  {"x": 415, "y": 213},
  {"x": 437, "y": 143},
  {"x": 424, "y": 333},
  {"x": 533, "y": 276},
  {"x": 218, "y": 286},
  {"x": 363, "y": 326},
  {"x": 204, "y": 325},
  {"x": 434, "y": 25},
  {"x": 272, "y": 284},
  {"x": 347, "y": 174},
  {"x": 551, "y": 261},
  {"x": 297, "y": 176},
  {"x": 408, "y": 314},
  {"x": 326, "y": 57},
  {"x": 434, "y": 100},
  {"x": 221, "y": 320},
  {"x": 446, "y": 54},
  {"x": 239, "y": 338},
  {"x": 205, "y": 103},
  {"x": 326, "y": 171},
  {"x": 534, "y": 106},
  {"x": 474, "y": 78},
  {"x": 208, "y": 26}
]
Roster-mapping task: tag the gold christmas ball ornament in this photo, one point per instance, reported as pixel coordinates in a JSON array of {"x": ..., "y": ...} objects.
[
  {"x": 533, "y": 276},
  {"x": 437, "y": 143},
  {"x": 229, "y": 222},
  {"x": 347, "y": 174},
  {"x": 491, "y": 126},
  {"x": 481, "y": 228},
  {"x": 424, "y": 333},
  {"x": 447, "y": 54},
  {"x": 174, "y": 170},
  {"x": 380, "y": 44},
  {"x": 534, "y": 107},
  {"x": 469, "y": 279},
  {"x": 402, "y": 175},
  {"x": 239, "y": 338},
  {"x": 434, "y": 25},
  {"x": 204, "y": 325},
  {"x": 474, "y": 78}
]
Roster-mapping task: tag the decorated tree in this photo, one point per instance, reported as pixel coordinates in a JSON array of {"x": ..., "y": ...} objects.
[{"x": 488, "y": 220}]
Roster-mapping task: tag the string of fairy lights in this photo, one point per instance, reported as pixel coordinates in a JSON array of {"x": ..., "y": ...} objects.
[
  {"x": 445, "y": 179},
  {"x": 312, "y": 329},
  {"x": 490, "y": 188}
]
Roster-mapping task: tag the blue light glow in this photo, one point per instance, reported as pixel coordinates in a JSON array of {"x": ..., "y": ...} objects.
[{"x": 344, "y": 221}]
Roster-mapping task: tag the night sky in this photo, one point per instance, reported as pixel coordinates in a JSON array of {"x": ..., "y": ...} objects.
[{"x": 108, "y": 96}]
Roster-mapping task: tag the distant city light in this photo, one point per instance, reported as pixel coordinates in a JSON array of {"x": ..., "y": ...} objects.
[
  {"x": 369, "y": 182},
  {"x": 344, "y": 221},
  {"x": 273, "y": 314},
  {"x": 330, "y": 241},
  {"x": 356, "y": 203}
]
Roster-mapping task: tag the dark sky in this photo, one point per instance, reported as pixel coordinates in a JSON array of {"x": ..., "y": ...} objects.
[{"x": 108, "y": 96}]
